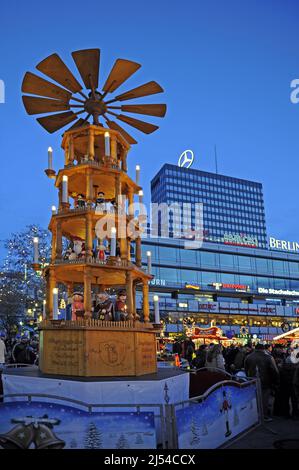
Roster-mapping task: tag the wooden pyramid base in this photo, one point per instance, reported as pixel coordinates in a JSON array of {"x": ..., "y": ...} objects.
[{"x": 90, "y": 348}]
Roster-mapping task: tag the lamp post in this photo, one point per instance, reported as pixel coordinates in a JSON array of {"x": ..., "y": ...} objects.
[
  {"x": 54, "y": 210},
  {"x": 137, "y": 174},
  {"x": 65, "y": 196},
  {"x": 156, "y": 309},
  {"x": 107, "y": 144},
  {"x": 113, "y": 242},
  {"x": 50, "y": 158},
  {"x": 140, "y": 194},
  {"x": 35, "y": 248},
  {"x": 149, "y": 262},
  {"x": 55, "y": 303}
]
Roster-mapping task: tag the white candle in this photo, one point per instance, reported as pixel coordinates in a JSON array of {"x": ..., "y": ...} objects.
[
  {"x": 157, "y": 312},
  {"x": 55, "y": 303},
  {"x": 149, "y": 262},
  {"x": 137, "y": 174},
  {"x": 113, "y": 242},
  {"x": 54, "y": 210},
  {"x": 35, "y": 245},
  {"x": 50, "y": 158},
  {"x": 44, "y": 309},
  {"x": 140, "y": 194},
  {"x": 65, "y": 198},
  {"x": 107, "y": 144}
]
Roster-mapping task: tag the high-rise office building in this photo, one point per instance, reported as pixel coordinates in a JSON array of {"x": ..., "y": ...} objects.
[{"x": 233, "y": 208}]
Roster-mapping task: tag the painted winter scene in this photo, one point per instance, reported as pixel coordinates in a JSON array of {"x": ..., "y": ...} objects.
[
  {"x": 225, "y": 413},
  {"x": 40, "y": 425}
]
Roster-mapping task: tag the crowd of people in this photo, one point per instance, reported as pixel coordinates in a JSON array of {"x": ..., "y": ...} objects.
[
  {"x": 276, "y": 365},
  {"x": 18, "y": 349}
]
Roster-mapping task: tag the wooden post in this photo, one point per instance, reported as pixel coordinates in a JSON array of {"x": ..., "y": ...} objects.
[
  {"x": 91, "y": 144},
  {"x": 71, "y": 149},
  {"x": 88, "y": 237},
  {"x": 54, "y": 243},
  {"x": 134, "y": 299},
  {"x": 117, "y": 187},
  {"x": 145, "y": 291},
  {"x": 138, "y": 252},
  {"x": 89, "y": 187},
  {"x": 129, "y": 289},
  {"x": 113, "y": 148},
  {"x": 52, "y": 285},
  {"x": 66, "y": 152},
  {"x": 60, "y": 197},
  {"x": 58, "y": 240},
  {"x": 87, "y": 294},
  {"x": 124, "y": 160},
  {"x": 131, "y": 202}
]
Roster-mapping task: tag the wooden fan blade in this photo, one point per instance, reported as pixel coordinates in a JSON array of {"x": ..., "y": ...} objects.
[
  {"x": 150, "y": 109},
  {"x": 143, "y": 126},
  {"x": 113, "y": 125},
  {"x": 56, "y": 121},
  {"x": 36, "y": 85},
  {"x": 35, "y": 105},
  {"x": 56, "y": 69},
  {"x": 121, "y": 71},
  {"x": 88, "y": 63},
  {"x": 150, "y": 88},
  {"x": 80, "y": 123}
]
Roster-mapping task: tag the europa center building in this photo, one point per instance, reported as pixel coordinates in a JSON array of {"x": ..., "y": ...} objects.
[{"x": 240, "y": 279}]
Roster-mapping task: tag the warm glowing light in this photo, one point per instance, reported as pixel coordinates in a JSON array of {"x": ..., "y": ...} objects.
[
  {"x": 156, "y": 298},
  {"x": 64, "y": 178}
]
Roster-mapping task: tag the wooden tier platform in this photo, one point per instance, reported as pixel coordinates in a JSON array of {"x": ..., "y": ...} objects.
[{"x": 93, "y": 348}]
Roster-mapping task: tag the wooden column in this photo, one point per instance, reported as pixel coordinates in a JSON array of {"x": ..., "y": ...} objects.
[
  {"x": 88, "y": 237},
  {"x": 113, "y": 148},
  {"x": 66, "y": 153},
  {"x": 124, "y": 160},
  {"x": 91, "y": 144},
  {"x": 60, "y": 196},
  {"x": 52, "y": 285},
  {"x": 117, "y": 187},
  {"x": 87, "y": 293},
  {"x": 145, "y": 291},
  {"x": 58, "y": 240},
  {"x": 89, "y": 187},
  {"x": 54, "y": 243},
  {"x": 134, "y": 299},
  {"x": 71, "y": 149},
  {"x": 130, "y": 203},
  {"x": 129, "y": 289},
  {"x": 138, "y": 252}
]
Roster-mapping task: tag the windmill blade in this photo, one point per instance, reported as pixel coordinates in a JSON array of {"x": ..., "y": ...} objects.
[
  {"x": 88, "y": 63},
  {"x": 56, "y": 121},
  {"x": 56, "y": 69},
  {"x": 150, "y": 88},
  {"x": 80, "y": 123},
  {"x": 149, "y": 109},
  {"x": 36, "y": 85},
  {"x": 121, "y": 71},
  {"x": 143, "y": 126},
  {"x": 113, "y": 125},
  {"x": 35, "y": 105}
]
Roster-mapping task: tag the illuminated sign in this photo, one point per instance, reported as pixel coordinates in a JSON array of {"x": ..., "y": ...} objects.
[
  {"x": 158, "y": 282},
  {"x": 262, "y": 290},
  {"x": 283, "y": 245},
  {"x": 240, "y": 240},
  {"x": 186, "y": 159},
  {"x": 237, "y": 287},
  {"x": 192, "y": 286}
]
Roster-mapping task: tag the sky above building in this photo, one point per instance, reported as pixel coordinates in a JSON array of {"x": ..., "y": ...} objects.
[{"x": 226, "y": 68}]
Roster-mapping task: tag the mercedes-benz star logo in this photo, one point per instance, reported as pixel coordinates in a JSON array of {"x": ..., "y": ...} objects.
[{"x": 186, "y": 159}]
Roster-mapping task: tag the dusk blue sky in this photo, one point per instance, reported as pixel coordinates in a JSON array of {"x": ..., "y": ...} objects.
[{"x": 226, "y": 67}]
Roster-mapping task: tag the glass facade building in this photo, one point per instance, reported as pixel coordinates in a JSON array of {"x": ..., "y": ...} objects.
[
  {"x": 233, "y": 208},
  {"x": 235, "y": 286}
]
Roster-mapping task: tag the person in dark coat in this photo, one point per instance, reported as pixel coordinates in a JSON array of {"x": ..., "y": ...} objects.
[
  {"x": 22, "y": 352},
  {"x": 189, "y": 350},
  {"x": 201, "y": 355},
  {"x": 259, "y": 363}
]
